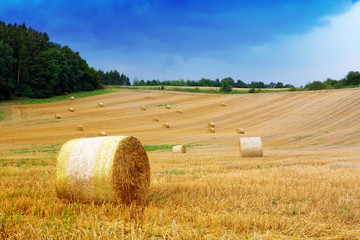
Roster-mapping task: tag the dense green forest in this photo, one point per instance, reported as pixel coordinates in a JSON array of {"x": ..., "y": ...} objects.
[
  {"x": 352, "y": 79},
  {"x": 114, "y": 78},
  {"x": 32, "y": 66}
]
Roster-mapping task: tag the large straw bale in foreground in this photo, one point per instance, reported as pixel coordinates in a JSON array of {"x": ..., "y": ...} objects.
[
  {"x": 114, "y": 169},
  {"x": 179, "y": 149},
  {"x": 250, "y": 147}
]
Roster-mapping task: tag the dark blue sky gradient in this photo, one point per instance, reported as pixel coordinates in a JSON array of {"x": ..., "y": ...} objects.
[{"x": 131, "y": 33}]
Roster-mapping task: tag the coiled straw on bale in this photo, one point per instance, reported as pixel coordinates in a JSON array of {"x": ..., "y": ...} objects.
[
  {"x": 250, "y": 147},
  {"x": 100, "y": 104},
  {"x": 167, "y": 106},
  {"x": 211, "y": 124},
  {"x": 179, "y": 111},
  {"x": 143, "y": 108},
  {"x": 155, "y": 119},
  {"x": 71, "y": 109},
  {"x": 240, "y": 131},
  {"x": 165, "y": 125},
  {"x": 179, "y": 149},
  {"x": 102, "y": 134},
  {"x": 57, "y": 116},
  {"x": 103, "y": 169},
  {"x": 211, "y": 130}
]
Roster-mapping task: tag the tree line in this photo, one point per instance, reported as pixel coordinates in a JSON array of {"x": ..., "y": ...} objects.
[
  {"x": 352, "y": 79},
  {"x": 32, "y": 66},
  {"x": 114, "y": 78}
]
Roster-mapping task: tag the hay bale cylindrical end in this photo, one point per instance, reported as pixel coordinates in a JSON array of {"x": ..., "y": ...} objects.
[
  {"x": 250, "y": 147},
  {"x": 179, "y": 149},
  {"x": 103, "y": 169}
]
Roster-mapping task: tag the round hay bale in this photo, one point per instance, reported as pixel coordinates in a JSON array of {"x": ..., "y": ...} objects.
[
  {"x": 103, "y": 169},
  {"x": 179, "y": 149},
  {"x": 57, "y": 116},
  {"x": 143, "y": 108},
  {"x": 165, "y": 125},
  {"x": 223, "y": 104},
  {"x": 240, "y": 131},
  {"x": 71, "y": 109},
  {"x": 155, "y": 119},
  {"x": 167, "y": 106},
  {"x": 72, "y": 98},
  {"x": 211, "y": 130},
  {"x": 101, "y": 104},
  {"x": 102, "y": 134},
  {"x": 250, "y": 147},
  {"x": 179, "y": 111},
  {"x": 211, "y": 124},
  {"x": 80, "y": 128}
]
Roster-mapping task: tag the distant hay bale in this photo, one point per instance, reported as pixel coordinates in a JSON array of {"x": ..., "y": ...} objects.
[
  {"x": 179, "y": 149},
  {"x": 155, "y": 119},
  {"x": 102, "y": 134},
  {"x": 223, "y": 104},
  {"x": 80, "y": 128},
  {"x": 250, "y": 147},
  {"x": 57, "y": 116},
  {"x": 71, "y": 109},
  {"x": 100, "y": 104},
  {"x": 167, "y": 106},
  {"x": 240, "y": 131},
  {"x": 103, "y": 169},
  {"x": 72, "y": 98},
  {"x": 179, "y": 111},
  {"x": 211, "y": 124},
  {"x": 211, "y": 130},
  {"x": 165, "y": 125},
  {"x": 143, "y": 108}
]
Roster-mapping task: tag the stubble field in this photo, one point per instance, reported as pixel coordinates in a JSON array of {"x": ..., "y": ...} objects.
[{"x": 305, "y": 187}]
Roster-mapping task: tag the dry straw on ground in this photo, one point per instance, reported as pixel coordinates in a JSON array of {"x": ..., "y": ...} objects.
[
  {"x": 223, "y": 104},
  {"x": 102, "y": 134},
  {"x": 101, "y": 169},
  {"x": 71, "y": 109},
  {"x": 179, "y": 111},
  {"x": 143, "y": 108},
  {"x": 155, "y": 119},
  {"x": 167, "y": 106},
  {"x": 211, "y": 130},
  {"x": 80, "y": 128},
  {"x": 211, "y": 124},
  {"x": 165, "y": 125},
  {"x": 57, "y": 116},
  {"x": 179, "y": 149},
  {"x": 240, "y": 131},
  {"x": 72, "y": 98},
  {"x": 101, "y": 104},
  {"x": 250, "y": 147}
]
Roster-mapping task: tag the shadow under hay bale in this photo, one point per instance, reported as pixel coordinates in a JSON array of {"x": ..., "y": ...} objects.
[
  {"x": 211, "y": 130},
  {"x": 103, "y": 169},
  {"x": 179, "y": 149},
  {"x": 240, "y": 131},
  {"x": 250, "y": 147}
]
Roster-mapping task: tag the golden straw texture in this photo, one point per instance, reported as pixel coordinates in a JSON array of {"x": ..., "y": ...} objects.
[
  {"x": 114, "y": 169},
  {"x": 240, "y": 131},
  {"x": 179, "y": 149},
  {"x": 165, "y": 125},
  {"x": 211, "y": 124},
  {"x": 211, "y": 130},
  {"x": 250, "y": 147}
]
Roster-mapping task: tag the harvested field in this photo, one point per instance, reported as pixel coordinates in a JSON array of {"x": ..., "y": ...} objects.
[{"x": 304, "y": 187}]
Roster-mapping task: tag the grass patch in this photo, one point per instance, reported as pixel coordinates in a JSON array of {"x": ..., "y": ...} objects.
[
  {"x": 2, "y": 115},
  {"x": 22, "y": 101},
  {"x": 50, "y": 148},
  {"x": 45, "y": 122},
  {"x": 24, "y": 162}
]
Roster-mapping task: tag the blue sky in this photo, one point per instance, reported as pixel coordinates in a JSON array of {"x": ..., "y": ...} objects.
[{"x": 253, "y": 40}]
